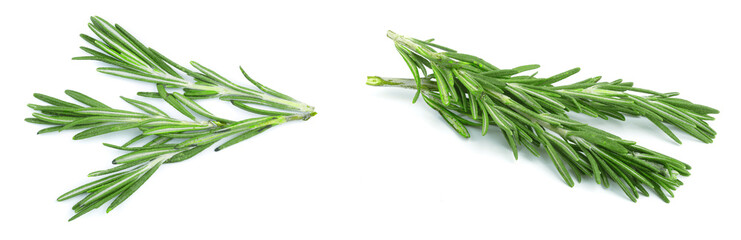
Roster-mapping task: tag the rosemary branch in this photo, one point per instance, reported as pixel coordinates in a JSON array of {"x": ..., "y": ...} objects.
[
  {"x": 172, "y": 139},
  {"x": 531, "y": 112}
]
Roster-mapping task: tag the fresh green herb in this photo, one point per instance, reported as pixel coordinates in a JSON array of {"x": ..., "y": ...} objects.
[
  {"x": 170, "y": 139},
  {"x": 531, "y": 112}
]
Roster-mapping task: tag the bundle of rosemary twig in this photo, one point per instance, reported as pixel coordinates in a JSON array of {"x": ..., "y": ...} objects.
[
  {"x": 171, "y": 139},
  {"x": 531, "y": 112}
]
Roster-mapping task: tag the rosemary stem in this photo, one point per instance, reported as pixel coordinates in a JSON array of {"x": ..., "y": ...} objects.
[
  {"x": 427, "y": 85},
  {"x": 303, "y": 107},
  {"x": 300, "y": 116}
]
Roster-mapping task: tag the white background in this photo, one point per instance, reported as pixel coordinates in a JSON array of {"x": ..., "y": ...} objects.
[{"x": 370, "y": 165}]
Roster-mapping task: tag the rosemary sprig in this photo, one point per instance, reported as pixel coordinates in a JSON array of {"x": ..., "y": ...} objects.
[
  {"x": 173, "y": 140},
  {"x": 133, "y": 60},
  {"x": 531, "y": 112}
]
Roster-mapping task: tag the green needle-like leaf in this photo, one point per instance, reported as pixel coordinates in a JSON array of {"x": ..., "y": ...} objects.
[
  {"x": 55, "y": 101},
  {"x": 143, "y": 154},
  {"x": 85, "y": 99},
  {"x": 244, "y": 136},
  {"x": 95, "y": 131},
  {"x": 145, "y": 107}
]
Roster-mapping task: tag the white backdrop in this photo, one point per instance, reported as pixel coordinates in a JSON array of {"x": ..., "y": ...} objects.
[{"x": 370, "y": 165}]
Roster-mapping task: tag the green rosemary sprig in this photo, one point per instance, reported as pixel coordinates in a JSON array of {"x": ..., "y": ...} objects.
[
  {"x": 173, "y": 140},
  {"x": 531, "y": 112},
  {"x": 133, "y": 60}
]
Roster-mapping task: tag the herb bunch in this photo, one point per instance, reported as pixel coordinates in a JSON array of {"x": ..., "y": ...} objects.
[
  {"x": 531, "y": 112},
  {"x": 162, "y": 139}
]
